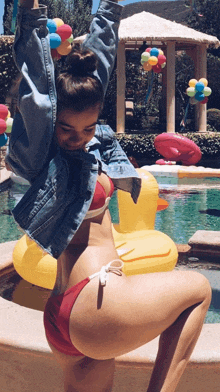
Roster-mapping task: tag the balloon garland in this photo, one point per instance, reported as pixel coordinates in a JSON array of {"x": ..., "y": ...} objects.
[
  {"x": 5, "y": 124},
  {"x": 61, "y": 38},
  {"x": 152, "y": 60},
  {"x": 198, "y": 91}
]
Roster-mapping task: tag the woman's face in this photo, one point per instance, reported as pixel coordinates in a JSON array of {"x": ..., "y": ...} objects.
[{"x": 74, "y": 130}]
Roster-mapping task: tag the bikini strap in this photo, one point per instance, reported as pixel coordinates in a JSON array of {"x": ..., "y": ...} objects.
[{"x": 114, "y": 266}]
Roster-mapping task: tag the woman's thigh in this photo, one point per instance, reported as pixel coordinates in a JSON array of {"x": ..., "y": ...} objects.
[{"x": 131, "y": 311}]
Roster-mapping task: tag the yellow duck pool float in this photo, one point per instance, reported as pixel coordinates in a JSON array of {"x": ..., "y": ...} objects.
[{"x": 142, "y": 248}]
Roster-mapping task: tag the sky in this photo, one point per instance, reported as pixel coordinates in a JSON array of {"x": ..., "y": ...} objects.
[{"x": 95, "y": 6}]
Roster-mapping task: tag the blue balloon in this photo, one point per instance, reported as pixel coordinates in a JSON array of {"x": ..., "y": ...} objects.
[
  {"x": 51, "y": 25},
  {"x": 3, "y": 139},
  {"x": 199, "y": 96},
  {"x": 55, "y": 40},
  {"x": 199, "y": 86},
  {"x": 154, "y": 52}
]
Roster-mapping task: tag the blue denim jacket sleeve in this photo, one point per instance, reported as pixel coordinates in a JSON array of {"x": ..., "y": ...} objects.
[
  {"x": 103, "y": 38},
  {"x": 33, "y": 125}
]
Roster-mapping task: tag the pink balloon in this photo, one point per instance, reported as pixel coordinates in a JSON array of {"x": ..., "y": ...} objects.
[
  {"x": 157, "y": 68},
  {"x": 64, "y": 32},
  {"x": 55, "y": 55},
  {"x": 3, "y": 126},
  {"x": 148, "y": 49},
  {"x": 205, "y": 100},
  {"x": 3, "y": 111},
  {"x": 161, "y": 59}
]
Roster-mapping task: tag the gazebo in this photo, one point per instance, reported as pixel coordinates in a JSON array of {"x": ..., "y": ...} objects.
[{"x": 170, "y": 37}]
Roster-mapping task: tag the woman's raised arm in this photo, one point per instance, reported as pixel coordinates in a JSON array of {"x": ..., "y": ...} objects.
[
  {"x": 33, "y": 125},
  {"x": 103, "y": 38}
]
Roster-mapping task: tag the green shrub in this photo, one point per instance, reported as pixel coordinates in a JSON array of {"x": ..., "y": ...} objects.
[
  {"x": 213, "y": 118},
  {"x": 141, "y": 147}
]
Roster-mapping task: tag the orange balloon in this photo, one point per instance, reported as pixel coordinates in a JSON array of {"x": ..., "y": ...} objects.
[
  {"x": 147, "y": 66},
  {"x": 64, "y": 48}
]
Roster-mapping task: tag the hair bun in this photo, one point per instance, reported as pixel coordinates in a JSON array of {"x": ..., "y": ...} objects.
[{"x": 80, "y": 62}]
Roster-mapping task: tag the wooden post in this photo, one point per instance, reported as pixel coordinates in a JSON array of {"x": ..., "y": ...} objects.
[
  {"x": 201, "y": 72},
  {"x": 121, "y": 81},
  {"x": 170, "y": 86}
]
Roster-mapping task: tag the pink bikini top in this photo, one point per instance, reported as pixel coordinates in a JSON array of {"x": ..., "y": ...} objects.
[{"x": 100, "y": 201}]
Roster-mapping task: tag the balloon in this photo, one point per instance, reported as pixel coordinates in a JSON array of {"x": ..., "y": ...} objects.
[
  {"x": 55, "y": 55},
  {"x": 9, "y": 123},
  {"x": 3, "y": 126},
  {"x": 154, "y": 52},
  {"x": 205, "y": 100},
  {"x": 64, "y": 32},
  {"x": 9, "y": 114},
  {"x": 199, "y": 86},
  {"x": 193, "y": 101},
  {"x": 161, "y": 52},
  {"x": 207, "y": 91},
  {"x": 3, "y": 139},
  {"x": 163, "y": 65},
  {"x": 199, "y": 96},
  {"x": 157, "y": 68},
  {"x": 190, "y": 91},
  {"x": 145, "y": 56},
  {"x": 3, "y": 112},
  {"x": 51, "y": 25},
  {"x": 161, "y": 59},
  {"x": 55, "y": 40},
  {"x": 148, "y": 49},
  {"x": 70, "y": 39},
  {"x": 192, "y": 82},
  {"x": 65, "y": 48},
  {"x": 153, "y": 60},
  {"x": 204, "y": 81},
  {"x": 147, "y": 66},
  {"x": 59, "y": 22}
]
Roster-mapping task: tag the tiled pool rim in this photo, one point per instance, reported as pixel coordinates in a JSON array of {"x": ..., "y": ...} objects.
[{"x": 26, "y": 361}]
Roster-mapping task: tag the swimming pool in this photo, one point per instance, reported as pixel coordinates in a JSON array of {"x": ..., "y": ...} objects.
[{"x": 190, "y": 209}]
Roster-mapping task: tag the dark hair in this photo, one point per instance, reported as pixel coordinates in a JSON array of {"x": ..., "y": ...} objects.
[{"x": 77, "y": 88}]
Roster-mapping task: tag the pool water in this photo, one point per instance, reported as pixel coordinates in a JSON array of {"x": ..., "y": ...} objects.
[
  {"x": 189, "y": 210},
  {"x": 9, "y": 231}
]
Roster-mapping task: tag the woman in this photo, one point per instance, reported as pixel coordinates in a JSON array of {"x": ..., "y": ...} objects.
[{"x": 95, "y": 312}]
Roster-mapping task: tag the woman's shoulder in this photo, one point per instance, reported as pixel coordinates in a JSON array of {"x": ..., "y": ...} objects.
[{"x": 104, "y": 132}]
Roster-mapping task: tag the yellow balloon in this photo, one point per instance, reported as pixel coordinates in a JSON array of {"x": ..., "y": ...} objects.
[
  {"x": 147, "y": 66},
  {"x": 59, "y": 22},
  {"x": 192, "y": 82},
  {"x": 64, "y": 48},
  {"x": 161, "y": 52},
  {"x": 153, "y": 60},
  {"x": 163, "y": 65},
  {"x": 9, "y": 114},
  {"x": 204, "y": 81}
]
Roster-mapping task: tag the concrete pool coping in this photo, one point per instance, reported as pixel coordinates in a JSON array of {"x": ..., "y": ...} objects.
[{"x": 24, "y": 347}]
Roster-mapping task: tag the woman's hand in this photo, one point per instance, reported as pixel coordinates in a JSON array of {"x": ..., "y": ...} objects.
[{"x": 29, "y": 4}]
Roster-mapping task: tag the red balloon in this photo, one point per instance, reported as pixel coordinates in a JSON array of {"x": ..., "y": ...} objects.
[
  {"x": 3, "y": 126},
  {"x": 64, "y": 31},
  {"x": 157, "y": 68},
  {"x": 148, "y": 49},
  {"x": 205, "y": 100},
  {"x": 161, "y": 59},
  {"x": 3, "y": 111},
  {"x": 55, "y": 55}
]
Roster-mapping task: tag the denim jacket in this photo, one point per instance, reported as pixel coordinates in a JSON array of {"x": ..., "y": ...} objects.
[{"x": 62, "y": 182}]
